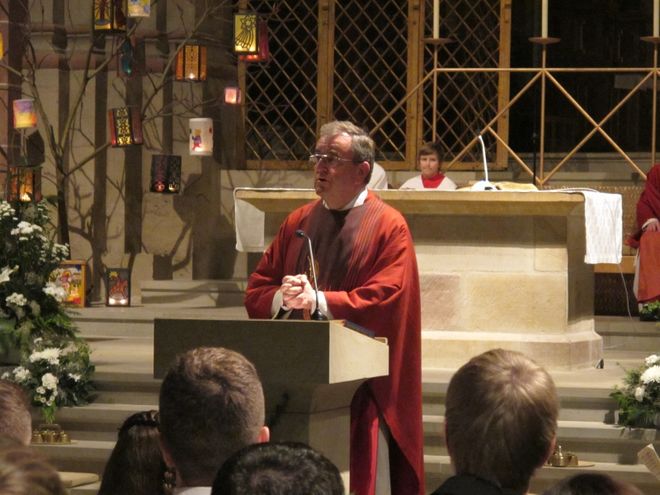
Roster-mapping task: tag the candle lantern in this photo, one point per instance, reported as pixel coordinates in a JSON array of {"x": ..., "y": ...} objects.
[
  {"x": 118, "y": 287},
  {"x": 233, "y": 95},
  {"x": 25, "y": 117},
  {"x": 201, "y": 137},
  {"x": 139, "y": 8},
  {"x": 108, "y": 16},
  {"x": 191, "y": 63},
  {"x": 166, "y": 173},
  {"x": 262, "y": 54},
  {"x": 23, "y": 184},
  {"x": 246, "y": 33},
  {"x": 125, "y": 126}
]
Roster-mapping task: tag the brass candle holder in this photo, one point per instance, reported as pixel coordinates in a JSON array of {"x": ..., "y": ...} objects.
[{"x": 50, "y": 434}]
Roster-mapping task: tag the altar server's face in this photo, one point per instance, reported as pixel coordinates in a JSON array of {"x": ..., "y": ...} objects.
[
  {"x": 337, "y": 178},
  {"x": 429, "y": 165}
]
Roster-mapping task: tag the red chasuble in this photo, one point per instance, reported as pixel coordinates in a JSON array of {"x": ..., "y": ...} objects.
[
  {"x": 368, "y": 272},
  {"x": 648, "y": 243}
]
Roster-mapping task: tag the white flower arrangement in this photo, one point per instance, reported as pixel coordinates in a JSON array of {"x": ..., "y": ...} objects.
[
  {"x": 55, "y": 376},
  {"x": 639, "y": 398},
  {"x": 55, "y": 368}
]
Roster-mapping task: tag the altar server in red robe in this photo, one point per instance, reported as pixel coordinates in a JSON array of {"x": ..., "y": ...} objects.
[
  {"x": 367, "y": 273},
  {"x": 647, "y": 239}
]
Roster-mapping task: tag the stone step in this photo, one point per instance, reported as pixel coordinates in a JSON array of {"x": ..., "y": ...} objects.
[
  {"x": 625, "y": 333},
  {"x": 193, "y": 293},
  {"x": 88, "y": 456},
  {"x": 438, "y": 468},
  {"x": 589, "y": 440}
]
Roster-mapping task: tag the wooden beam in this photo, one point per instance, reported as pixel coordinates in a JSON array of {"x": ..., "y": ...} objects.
[{"x": 504, "y": 83}]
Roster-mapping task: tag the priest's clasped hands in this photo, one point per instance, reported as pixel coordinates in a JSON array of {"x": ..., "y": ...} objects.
[{"x": 297, "y": 292}]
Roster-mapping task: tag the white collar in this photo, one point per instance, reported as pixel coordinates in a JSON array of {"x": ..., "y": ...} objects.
[
  {"x": 358, "y": 200},
  {"x": 193, "y": 490}
]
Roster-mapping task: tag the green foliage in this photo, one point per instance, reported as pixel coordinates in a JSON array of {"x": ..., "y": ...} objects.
[
  {"x": 639, "y": 398},
  {"x": 55, "y": 368}
]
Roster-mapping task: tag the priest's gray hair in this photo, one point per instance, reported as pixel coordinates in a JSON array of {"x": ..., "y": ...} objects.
[{"x": 362, "y": 145}]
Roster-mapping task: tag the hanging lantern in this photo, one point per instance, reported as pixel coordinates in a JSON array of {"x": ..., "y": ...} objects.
[
  {"x": 2, "y": 47},
  {"x": 109, "y": 16},
  {"x": 233, "y": 95},
  {"x": 25, "y": 117},
  {"x": 23, "y": 184},
  {"x": 201, "y": 137},
  {"x": 262, "y": 54},
  {"x": 166, "y": 174},
  {"x": 191, "y": 63},
  {"x": 246, "y": 33},
  {"x": 139, "y": 8},
  {"x": 126, "y": 62},
  {"x": 118, "y": 287},
  {"x": 125, "y": 126}
]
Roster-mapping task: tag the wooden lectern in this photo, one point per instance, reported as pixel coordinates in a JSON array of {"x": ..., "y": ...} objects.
[{"x": 310, "y": 371}]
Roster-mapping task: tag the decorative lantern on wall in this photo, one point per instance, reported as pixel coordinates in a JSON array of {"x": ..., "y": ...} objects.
[
  {"x": 139, "y": 8},
  {"x": 191, "y": 63},
  {"x": 125, "y": 126},
  {"x": 201, "y": 136},
  {"x": 262, "y": 54},
  {"x": 126, "y": 61},
  {"x": 166, "y": 174},
  {"x": 118, "y": 287},
  {"x": 25, "y": 117},
  {"x": 108, "y": 16},
  {"x": 246, "y": 34},
  {"x": 233, "y": 95},
  {"x": 23, "y": 184}
]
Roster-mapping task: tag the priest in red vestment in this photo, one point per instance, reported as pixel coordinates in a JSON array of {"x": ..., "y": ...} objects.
[
  {"x": 367, "y": 274},
  {"x": 647, "y": 239}
]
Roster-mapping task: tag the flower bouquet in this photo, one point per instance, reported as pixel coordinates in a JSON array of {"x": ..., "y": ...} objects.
[
  {"x": 54, "y": 366},
  {"x": 55, "y": 376},
  {"x": 639, "y": 399}
]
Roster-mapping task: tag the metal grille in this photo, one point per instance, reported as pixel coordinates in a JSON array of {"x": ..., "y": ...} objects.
[
  {"x": 465, "y": 101},
  {"x": 370, "y": 69},
  {"x": 281, "y": 94}
]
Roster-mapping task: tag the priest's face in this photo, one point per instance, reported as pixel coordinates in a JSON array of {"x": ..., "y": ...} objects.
[{"x": 337, "y": 178}]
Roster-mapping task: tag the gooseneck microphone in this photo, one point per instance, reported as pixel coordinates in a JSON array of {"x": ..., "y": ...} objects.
[
  {"x": 483, "y": 185},
  {"x": 316, "y": 315}
]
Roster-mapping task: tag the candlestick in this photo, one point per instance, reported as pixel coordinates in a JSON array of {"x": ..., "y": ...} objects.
[
  {"x": 544, "y": 18},
  {"x": 656, "y": 11},
  {"x": 436, "y": 18}
]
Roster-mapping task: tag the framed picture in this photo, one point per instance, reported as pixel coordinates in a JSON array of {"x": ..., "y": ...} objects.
[
  {"x": 71, "y": 275},
  {"x": 118, "y": 287}
]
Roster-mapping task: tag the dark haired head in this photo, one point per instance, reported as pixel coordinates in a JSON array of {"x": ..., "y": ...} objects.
[
  {"x": 286, "y": 468},
  {"x": 591, "y": 484},
  {"x": 136, "y": 465},
  {"x": 211, "y": 405}
]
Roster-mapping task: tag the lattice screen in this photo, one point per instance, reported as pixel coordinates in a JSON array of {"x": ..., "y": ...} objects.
[
  {"x": 370, "y": 69},
  {"x": 466, "y": 101},
  {"x": 281, "y": 95}
]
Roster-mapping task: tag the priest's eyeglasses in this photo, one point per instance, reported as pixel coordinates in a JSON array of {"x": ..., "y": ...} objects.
[{"x": 330, "y": 159}]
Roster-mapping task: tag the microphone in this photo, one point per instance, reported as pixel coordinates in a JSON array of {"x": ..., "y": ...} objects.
[
  {"x": 316, "y": 315},
  {"x": 483, "y": 185}
]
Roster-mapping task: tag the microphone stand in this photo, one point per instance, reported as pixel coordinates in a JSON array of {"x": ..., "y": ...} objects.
[{"x": 316, "y": 314}]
